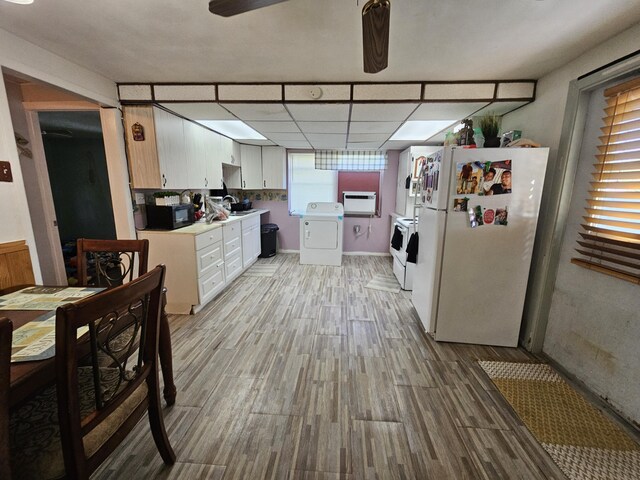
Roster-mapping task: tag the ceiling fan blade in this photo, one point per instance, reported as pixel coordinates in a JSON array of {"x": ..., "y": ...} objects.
[
  {"x": 229, "y": 8},
  {"x": 375, "y": 35}
]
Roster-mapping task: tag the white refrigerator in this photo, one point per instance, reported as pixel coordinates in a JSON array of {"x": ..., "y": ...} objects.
[{"x": 470, "y": 281}]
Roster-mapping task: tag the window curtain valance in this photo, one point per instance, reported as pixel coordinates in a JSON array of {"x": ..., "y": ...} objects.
[{"x": 362, "y": 160}]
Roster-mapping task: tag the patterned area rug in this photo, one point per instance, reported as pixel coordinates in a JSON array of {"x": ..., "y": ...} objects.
[
  {"x": 584, "y": 443},
  {"x": 258, "y": 270},
  {"x": 388, "y": 283}
]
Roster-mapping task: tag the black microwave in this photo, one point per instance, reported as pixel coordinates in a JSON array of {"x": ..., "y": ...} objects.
[{"x": 169, "y": 217}]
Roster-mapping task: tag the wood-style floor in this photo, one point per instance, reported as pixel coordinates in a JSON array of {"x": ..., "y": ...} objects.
[{"x": 310, "y": 375}]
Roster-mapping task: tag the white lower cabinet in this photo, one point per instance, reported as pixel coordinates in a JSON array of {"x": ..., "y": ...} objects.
[
  {"x": 202, "y": 259},
  {"x": 250, "y": 240}
]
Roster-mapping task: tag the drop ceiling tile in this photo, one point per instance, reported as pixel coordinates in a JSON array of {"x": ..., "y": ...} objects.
[
  {"x": 446, "y": 111},
  {"x": 250, "y": 92},
  {"x": 284, "y": 137},
  {"x": 500, "y": 108},
  {"x": 200, "y": 93},
  {"x": 275, "y": 127},
  {"x": 323, "y": 127},
  {"x": 258, "y": 111},
  {"x": 301, "y": 145},
  {"x": 458, "y": 91},
  {"x": 398, "y": 144},
  {"x": 328, "y": 137},
  {"x": 516, "y": 90},
  {"x": 371, "y": 112},
  {"x": 200, "y": 111},
  {"x": 368, "y": 137},
  {"x": 364, "y": 146},
  {"x": 389, "y": 91},
  {"x": 328, "y": 92},
  {"x": 134, "y": 92},
  {"x": 312, "y": 112},
  {"x": 374, "y": 127}
]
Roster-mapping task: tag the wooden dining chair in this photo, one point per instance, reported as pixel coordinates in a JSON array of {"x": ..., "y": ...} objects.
[
  {"x": 5, "y": 378},
  {"x": 108, "y": 263},
  {"x": 95, "y": 406}
]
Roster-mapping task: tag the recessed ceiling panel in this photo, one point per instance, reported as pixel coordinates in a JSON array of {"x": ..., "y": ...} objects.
[
  {"x": 446, "y": 111},
  {"x": 258, "y": 111},
  {"x": 312, "y": 112},
  {"x": 381, "y": 112},
  {"x": 200, "y": 111},
  {"x": 374, "y": 127},
  {"x": 323, "y": 127},
  {"x": 275, "y": 127}
]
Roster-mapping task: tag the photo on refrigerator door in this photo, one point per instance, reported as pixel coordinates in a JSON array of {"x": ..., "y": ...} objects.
[
  {"x": 469, "y": 176},
  {"x": 496, "y": 178},
  {"x": 501, "y": 217},
  {"x": 460, "y": 204}
]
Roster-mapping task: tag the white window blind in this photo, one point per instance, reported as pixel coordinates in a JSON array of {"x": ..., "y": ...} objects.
[
  {"x": 307, "y": 184},
  {"x": 610, "y": 236}
]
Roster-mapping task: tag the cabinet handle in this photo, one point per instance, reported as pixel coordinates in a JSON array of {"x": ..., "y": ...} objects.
[
  {"x": 244, "y": 184},
  {"x": 206, "y": 182},
  {"x": 221, "y": 183},
  {"x": 264, "y": 182}
]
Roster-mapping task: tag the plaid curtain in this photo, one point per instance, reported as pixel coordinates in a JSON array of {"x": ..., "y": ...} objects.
[{"x": 351, "y": 160}]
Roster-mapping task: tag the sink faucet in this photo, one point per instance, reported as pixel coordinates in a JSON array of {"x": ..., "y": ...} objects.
[{"x": 231, "y": 198}]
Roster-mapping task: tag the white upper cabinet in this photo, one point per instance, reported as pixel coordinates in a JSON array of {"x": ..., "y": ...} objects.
[
  {"x": 226, "y": 150},
  {"x": 172, "y": 157},
  {"x": 194, "y": 139},
  {"x": 236, "y": 154},
  {"x": 274, "y": 168},
  {"x": 213, "y": 159},
  {"x": 251, "y": 167}
]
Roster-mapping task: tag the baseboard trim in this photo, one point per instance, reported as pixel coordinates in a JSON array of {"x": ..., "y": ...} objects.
[{"x": 371, "y": 254}]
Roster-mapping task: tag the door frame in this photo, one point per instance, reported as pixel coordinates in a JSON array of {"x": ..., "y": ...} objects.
[{"x": 112, "y": 134}]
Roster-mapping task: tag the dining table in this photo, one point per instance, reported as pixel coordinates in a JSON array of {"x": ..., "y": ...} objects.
[{"x": 28, "y": 378}]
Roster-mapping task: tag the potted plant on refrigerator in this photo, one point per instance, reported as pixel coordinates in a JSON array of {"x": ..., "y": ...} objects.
[{"x": 489, "y": 124}]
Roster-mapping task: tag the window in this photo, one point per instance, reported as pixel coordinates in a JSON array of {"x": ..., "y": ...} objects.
[
  {"x": 306, "y": 184},
  {"x": 610, "y": 236}
]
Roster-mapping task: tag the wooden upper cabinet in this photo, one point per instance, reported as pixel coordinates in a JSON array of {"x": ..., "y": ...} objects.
[
  {"x": 274, "y": 168},
  {"x": 251, "y": 167},
  {"x": 15, "y": 265},
  {"x": 144, "y": 167}
]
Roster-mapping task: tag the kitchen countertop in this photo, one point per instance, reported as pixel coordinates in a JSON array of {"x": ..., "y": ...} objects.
[{"x": 202, "y": 227}]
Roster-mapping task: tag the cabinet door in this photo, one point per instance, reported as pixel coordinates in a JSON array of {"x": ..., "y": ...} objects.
[
  {"x": 247, "y": 247},
  {"x": 255, "y": 233},
  {"x": 274, "y": 168},
  {"x": 213, "y": 159},
  {"x": 195, "y": 155},
  {"x": 251, "y": 167},
  {"x": 226, "y": 150},
  {"x": 171, "y": 150},
  {"x": 144, "y": 169},
  {"x": 236, "y": 154}
]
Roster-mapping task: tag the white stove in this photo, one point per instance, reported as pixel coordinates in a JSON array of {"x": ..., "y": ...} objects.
[{"x": 402, "y": 269}]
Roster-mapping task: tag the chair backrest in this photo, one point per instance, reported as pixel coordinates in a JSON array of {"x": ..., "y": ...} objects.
[
  {"x": 109, "y": 263},
  {"x": 133, "y": 308},
  {"x": 5, "y": 380}
]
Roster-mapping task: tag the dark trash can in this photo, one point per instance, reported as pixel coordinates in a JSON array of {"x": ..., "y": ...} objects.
[{"x": 268, "y": 233}]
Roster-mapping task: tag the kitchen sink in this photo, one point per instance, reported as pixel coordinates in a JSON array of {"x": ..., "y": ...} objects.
[{"x": 242, "y": 213}]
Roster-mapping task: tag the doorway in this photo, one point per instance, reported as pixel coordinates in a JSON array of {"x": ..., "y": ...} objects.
[{"x": 77, "y": 167}]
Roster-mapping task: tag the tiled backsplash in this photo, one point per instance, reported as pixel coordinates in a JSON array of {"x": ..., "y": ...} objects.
[{"x": 260, "y": 195}]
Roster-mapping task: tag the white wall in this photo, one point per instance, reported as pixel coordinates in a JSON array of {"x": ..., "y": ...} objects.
[
  {"x": 593, "y": 322},
  {"x": 26, "y": 58}
]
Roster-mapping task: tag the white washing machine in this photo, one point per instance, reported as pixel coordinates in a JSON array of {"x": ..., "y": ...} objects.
[{"x": 321, "y": 234}]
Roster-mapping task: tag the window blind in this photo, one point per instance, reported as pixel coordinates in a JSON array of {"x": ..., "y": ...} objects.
[{"x": 610, "y": 237}]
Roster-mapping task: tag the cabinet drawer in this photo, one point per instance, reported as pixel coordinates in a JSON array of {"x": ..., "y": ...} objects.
[
  {"x": 208, "y": 257},
  {"x": 233, "y": 265},
  {"x": 211, "y": 284},
  {"x": 232, "y": 230},
  {"x": 249, "y": 223},
  {"x": 232, "y": 247},
  {"x": 208, "y": 238}
]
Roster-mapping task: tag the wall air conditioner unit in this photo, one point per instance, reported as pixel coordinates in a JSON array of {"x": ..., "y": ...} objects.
[{"x": 359, "y": 203}]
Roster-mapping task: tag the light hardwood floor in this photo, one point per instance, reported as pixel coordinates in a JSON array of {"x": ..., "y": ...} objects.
[{"x": 310, "y": 375}]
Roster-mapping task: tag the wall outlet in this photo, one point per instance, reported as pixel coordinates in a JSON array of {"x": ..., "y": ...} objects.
[
  {"x": 139, "y": 198},
  {"x": 356, "y": 229},
  {"x": 5, "y": 172}
]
